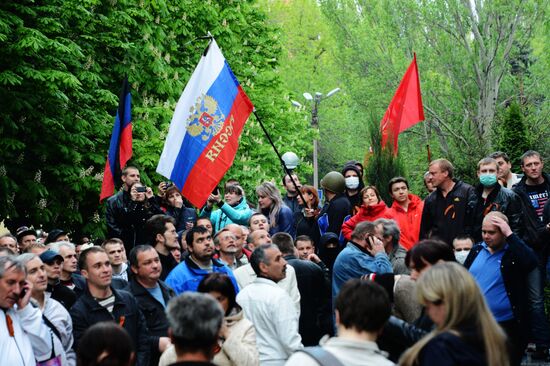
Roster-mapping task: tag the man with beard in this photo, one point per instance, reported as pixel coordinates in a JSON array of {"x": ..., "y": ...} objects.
[
  {"x": 225, "y": 243},
  {"x": 242, "y": 255},
  {"x": 187, "y": 275}
]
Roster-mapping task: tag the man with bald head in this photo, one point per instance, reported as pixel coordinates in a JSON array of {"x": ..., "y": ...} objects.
[
  {"x": 500, "y": 264},
  {"x": 242, "y": 254},
  {"x": 257, "y": 238}
]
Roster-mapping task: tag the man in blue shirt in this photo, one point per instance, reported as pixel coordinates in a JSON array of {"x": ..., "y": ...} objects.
[
  {"x": 187, "y": 275},
  {"x": 500, "y": 265},
  {"x": 363, "y": 255}
]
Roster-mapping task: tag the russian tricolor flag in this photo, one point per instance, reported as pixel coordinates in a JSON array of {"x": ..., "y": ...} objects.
[
  {"x": 120, "y": 148},
  {"x": 204, "y": 133}
]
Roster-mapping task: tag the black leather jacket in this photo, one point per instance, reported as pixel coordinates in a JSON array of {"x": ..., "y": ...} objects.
[
  {"x": 500, "y": 199},
  {"x": 533, "y": 226},
  {"x": 398, "y": 335},
  {"x": 315, "y": 296},
  {"x": 126, "y": 218}
]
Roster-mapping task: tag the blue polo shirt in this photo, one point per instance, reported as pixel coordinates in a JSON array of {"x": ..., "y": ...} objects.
[{"x": 486, "y": 271}]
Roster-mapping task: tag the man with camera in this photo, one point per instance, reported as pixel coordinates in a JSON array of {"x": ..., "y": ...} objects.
[{"x": 117, "y": 205}]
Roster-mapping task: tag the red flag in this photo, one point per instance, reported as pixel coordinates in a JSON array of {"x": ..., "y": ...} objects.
[
  {"x": 120, "y": 148},
  {"x": 405, "y": 109}
]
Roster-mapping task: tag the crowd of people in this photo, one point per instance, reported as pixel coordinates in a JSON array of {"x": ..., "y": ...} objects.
[{"x": 452, "y": 279}]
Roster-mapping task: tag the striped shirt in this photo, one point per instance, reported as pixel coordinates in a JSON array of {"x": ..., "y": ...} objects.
[{"x": 108, "y": 303}]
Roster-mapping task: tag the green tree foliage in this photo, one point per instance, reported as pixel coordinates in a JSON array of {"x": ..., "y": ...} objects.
[
  {"x": 381, "y": 164},
  {"x": 61, "y": 70},
  {"x": 464, "y": 50},
  {"x": 309, "y": 64},
  {"x": 511, "y": 134}
]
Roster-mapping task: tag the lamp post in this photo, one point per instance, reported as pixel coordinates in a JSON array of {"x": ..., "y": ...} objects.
[{"x": 315, "y": 102}]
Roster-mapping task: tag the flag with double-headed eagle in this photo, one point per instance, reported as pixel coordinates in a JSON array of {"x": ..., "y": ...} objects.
[{"x": 204, "y": 133}]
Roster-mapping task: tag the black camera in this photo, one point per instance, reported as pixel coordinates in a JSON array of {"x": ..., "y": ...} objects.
[{"x": 141, "y": 189}]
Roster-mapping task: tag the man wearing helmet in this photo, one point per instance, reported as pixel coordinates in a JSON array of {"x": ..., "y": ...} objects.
[{"x": 336, "y": 206}]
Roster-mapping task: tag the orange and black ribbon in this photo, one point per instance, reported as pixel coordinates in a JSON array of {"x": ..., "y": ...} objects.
[{"x": 9, "y": 323}]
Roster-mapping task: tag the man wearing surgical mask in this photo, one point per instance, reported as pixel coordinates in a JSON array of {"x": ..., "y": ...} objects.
[
  {"x": 492, "y": 197},
  {"x": 462, "y": 245},
  {"x": 354, "y": 184}
]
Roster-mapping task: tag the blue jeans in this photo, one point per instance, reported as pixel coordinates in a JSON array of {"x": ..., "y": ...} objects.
[{"x": 540, "y": 328}]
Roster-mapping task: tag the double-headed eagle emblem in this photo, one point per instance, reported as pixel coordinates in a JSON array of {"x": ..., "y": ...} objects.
[{"x": 206, "y": 118}]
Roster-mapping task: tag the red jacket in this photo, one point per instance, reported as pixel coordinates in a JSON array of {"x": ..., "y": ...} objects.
[
  {"x": 409, "y": 221},
  {"x": 366, "y": 213}
]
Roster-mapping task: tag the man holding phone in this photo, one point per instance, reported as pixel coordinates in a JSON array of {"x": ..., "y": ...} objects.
[
  {"x": 24, "y": 338},
  {"x": 363, "y": 255}
]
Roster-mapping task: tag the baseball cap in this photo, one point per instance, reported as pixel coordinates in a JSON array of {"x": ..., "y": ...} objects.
[
  {"x": 53, "y": 235},
  {"x": 49, "y": 256}
]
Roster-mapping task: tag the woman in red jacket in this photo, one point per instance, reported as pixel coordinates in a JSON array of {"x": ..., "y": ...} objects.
[{"x": 373, "y": 208}]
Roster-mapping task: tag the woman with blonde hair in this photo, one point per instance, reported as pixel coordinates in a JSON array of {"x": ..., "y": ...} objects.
[
  {"x": 466, "y": 332},
  {"x": 270, "y": 203}
]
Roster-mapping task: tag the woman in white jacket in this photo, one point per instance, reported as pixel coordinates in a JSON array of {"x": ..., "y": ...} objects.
[{"x": 238, "y": 336}]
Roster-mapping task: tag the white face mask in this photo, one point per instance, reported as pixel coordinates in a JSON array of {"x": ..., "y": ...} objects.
[
  {"x": 352, "y": 182},
  {"x": 461, "y": 256}
]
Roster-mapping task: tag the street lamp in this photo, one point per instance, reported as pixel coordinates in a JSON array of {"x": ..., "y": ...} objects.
[{"x": 316, "y": 100}]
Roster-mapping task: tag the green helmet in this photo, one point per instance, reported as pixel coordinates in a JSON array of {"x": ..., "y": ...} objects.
[{"x": 334, "y": 182}]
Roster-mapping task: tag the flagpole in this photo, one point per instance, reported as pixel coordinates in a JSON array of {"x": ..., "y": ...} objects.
[
  {"x": 427, "y": 143},
  {"x": 288, "y": 172}
]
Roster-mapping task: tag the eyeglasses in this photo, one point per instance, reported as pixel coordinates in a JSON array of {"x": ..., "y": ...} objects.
[{"x": 462, "y": 249}]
